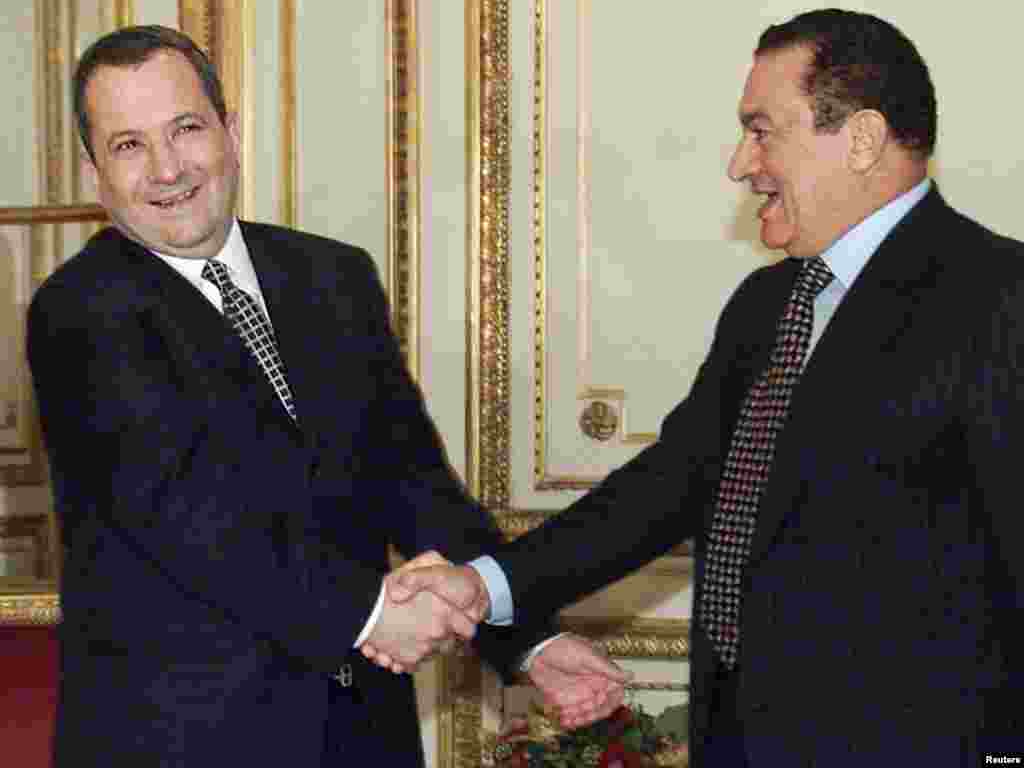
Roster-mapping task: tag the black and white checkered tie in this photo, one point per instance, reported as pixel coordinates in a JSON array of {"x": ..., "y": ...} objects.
[
  {"x": 246, "y": 317},
  {"x": 749, "y": 462}
]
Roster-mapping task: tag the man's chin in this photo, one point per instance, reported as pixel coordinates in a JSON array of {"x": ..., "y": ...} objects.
[
  {"x": 202, "y": 244},
  {"x": 774, "y": 240}
]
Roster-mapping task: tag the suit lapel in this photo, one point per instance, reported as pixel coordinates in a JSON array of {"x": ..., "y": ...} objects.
[
  {"x": 872, "y": 317},
  {"x": 204, "y": 347}
]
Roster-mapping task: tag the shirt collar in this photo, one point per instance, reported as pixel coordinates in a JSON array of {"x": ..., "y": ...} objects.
[
  {"x": 234, "y": 255},
  {"x": 847, "y": 256}
]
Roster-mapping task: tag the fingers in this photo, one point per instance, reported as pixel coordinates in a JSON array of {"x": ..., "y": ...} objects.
[
  {"x": 460, "y": 624},
  {"x": 461, "y": 586},
  {"x": 592, "y": 709},
  {"x": 399, "y": 592},
  {"x": 404, "y": 583}
]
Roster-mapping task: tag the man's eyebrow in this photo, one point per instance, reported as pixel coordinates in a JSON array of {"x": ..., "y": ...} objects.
[{"x": 188, "y": 116}]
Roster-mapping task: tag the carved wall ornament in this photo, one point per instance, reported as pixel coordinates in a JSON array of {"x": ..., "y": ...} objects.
[{"x": 599, "y": 420}]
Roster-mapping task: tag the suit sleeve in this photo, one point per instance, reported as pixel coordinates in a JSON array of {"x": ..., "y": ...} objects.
[{"x": 650, "y": 504}]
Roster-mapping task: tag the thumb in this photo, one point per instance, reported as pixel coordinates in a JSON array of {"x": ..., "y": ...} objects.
[{"x": 404, "y": 585}]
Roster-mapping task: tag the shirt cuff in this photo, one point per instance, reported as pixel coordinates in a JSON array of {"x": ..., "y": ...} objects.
[
  {"x": 497, "y": 590},
  {"x": 524, "y": 665},
  {"x": 372, "y": 622}
]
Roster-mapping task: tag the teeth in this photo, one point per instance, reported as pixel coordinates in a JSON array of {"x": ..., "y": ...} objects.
[{"x": 170, "y": 202}]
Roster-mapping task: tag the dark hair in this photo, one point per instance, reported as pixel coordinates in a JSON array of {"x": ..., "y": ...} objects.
[
  {"x": 861, "y": 62},
  {"x": 130, "y": 47}
]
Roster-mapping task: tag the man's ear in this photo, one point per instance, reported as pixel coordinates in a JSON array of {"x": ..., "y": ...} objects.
[{"x": 868, "y": 133}]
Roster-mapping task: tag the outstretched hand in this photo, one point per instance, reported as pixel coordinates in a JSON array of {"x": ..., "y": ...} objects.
[{"x": 578, "y": 681}]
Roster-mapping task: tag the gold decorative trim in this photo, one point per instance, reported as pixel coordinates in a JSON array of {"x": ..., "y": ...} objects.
[
  {"x": 487, "y": 420},
  {"x": 654, "y": 685},
  {"x": 196, "y": 19},
  {"x": 229, "y": 45},
  {"x": 123, "y": 13},
  {"x": 404, "y": 128},
  {"x": 289, "y": 199},
  {"x": 31, "y": 608},
  {"x": 636, "y": 638},
  {"x": 53, "y": 128},
  {"x": 540, "y": 285}
]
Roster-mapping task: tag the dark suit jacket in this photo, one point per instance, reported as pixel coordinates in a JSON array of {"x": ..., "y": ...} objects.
[
  {"x": 220, "y": 561},
  {"x": 886, "y": 584}
]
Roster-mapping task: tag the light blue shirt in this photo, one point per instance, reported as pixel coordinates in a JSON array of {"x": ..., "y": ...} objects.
[{"x": 846, "y": 258}]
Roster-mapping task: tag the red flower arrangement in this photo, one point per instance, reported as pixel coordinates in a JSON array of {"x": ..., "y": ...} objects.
[{"x": 628, "y": 738}]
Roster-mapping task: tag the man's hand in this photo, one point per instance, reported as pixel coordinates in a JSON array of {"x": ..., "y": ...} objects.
[
  {"x": 459, "y": 585},
  {"x": 461, "y": 591},
  {"x": 408, "y": 632},
  {"x": 580, "y": 682}
]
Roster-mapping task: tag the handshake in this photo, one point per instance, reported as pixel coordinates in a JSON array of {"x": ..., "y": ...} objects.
[{"x": 430, "y": 604}]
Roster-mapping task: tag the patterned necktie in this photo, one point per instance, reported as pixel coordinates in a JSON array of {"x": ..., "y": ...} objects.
[
  {"x": 749, "y": 462},
  {"x": 246, "y": 317}
]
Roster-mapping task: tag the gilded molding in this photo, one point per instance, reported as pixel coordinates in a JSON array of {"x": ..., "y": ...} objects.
[
  {"x": 404, "y": 128},
  {"x": 123, "y": 13},
  {"x": 487, "y": 417},
  {"x": 488, "y": 465},
  {"x": 29, "y": 609},
  {"x": 197, "y": 20},
  {"x": 540, "y": 285},
  {"x": 599, "y": 420},
  {"x": 289, "y": 200},
  {"x": 634, "y": 638}
]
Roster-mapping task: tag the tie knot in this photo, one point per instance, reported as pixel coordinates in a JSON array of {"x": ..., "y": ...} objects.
[
  {"x": 814, "y": 276},
  {"x": 216, "y": 273}
]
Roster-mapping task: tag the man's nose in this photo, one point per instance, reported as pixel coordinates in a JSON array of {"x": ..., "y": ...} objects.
[
  {"x": 165, "y": 162},
  {"x": 741, "y": 164}
]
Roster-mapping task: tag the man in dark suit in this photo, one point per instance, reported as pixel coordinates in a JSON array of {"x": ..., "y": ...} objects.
[
  {"x": 847, "y": 459},
  {"x": 234, "y": 442}
]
